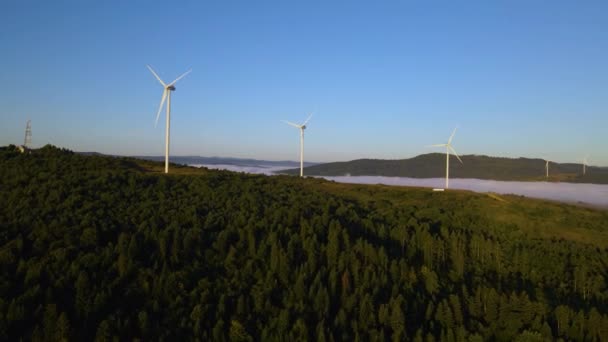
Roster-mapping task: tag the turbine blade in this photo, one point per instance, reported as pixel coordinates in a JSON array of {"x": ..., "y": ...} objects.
[
  {"x": 452, "y": 136},
  {"x": 179, "y": 78},
  {"x": 160, "y": 108},
  {"x": 155, "y": 75},
  {"x": 292, "y": 124},
  {"x": 310, "y": 116},
  {"x": 454, "y": 152},
  {"x": 437, "y": 145}
]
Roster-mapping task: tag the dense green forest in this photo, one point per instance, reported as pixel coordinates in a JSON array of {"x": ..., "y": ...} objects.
[
  {"x": 481, "y": 167},
  {"x": 101, "y": 248}
]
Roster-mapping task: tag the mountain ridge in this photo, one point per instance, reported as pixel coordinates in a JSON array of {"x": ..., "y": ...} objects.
[
  {"x": 215, "y": 160},
  {"x": 432, "y": 165}
]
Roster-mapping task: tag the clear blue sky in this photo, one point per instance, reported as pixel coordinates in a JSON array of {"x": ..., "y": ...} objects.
[{"x": 520, "y": 78}]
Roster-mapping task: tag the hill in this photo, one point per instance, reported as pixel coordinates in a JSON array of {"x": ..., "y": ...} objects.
[
  {"x": 93, "y": 247},
  {"x": 481, "y": 167},
  {"x": 198, "y": 160},
  {"x": 194, "y": 160}
]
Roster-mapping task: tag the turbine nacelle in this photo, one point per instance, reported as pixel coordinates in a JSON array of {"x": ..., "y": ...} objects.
[
  {"x": 302, "y": 126},
  {"x": 168, "y": 88}
]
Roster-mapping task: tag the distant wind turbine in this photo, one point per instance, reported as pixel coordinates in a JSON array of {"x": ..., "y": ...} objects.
[
  {"x": 302, "y": 127},
  {"x": 546, "y": 167},
  {"x": 585, "y": 163},
  {"x": 448, "y": 147},
  {"x": 168, "y": 88}
]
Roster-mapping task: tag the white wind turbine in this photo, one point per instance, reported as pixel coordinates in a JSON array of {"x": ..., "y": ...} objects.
[
  {"x": 302, "y": 127},
  {"x": 448, "y": 147},
  {"x": 168, "y": 88},
  {"x": 546, "y": 167},
  {"x": 585, "y": 163}
]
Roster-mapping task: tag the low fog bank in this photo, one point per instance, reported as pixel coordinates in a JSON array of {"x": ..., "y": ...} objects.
[{"x": 594, "y": 194}]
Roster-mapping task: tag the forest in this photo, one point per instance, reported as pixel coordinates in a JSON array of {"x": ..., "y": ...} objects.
[
  {"x": 105, "y": 248},
  {"x": 432, "y": 165}
]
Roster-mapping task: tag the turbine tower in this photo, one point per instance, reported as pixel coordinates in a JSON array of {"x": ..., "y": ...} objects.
[
  {"x": 302, "y": 127},
  {"x": 585, "y": 161},
  {"x": 168, "y": 88},
  {"x": 547, "y": 168},
  {"x": 448, "y": 147},
  {"x": 28, "y": 134}
]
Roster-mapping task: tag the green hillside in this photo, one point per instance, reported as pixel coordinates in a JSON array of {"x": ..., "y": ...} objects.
[
  {"x": 102, "y": 248},
  {"x": 481, "y": 167}
]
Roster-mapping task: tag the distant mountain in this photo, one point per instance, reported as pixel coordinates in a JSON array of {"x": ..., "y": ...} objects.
[
  {"x": 198, "y": 160},
  {"x": 94, "y": 154},
  {"x": 432, "y": 165},
  {"x": 194, "y": 160}
]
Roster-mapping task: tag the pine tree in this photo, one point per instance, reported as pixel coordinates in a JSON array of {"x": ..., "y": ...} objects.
[
  {"x": 50, "y": 321},
  {"x": 103, "y": 332},
  {"x": 397, "y": 320},
  {"x": 218, "y": 331},
  {"x": 62, "y": 331},
  {"x": 238, "y": 333}
]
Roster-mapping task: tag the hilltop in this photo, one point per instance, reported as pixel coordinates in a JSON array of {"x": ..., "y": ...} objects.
[
  {"x": 432, "y": 165},
  {"x": 96, "y": 247}
]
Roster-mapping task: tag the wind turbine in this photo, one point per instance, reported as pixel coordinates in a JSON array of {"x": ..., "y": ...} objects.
[
  {"x": 448, "y": 147},
  {"x": 585, "y": 162},
  {"x": 302, "y": 127},
  {"x": 547, "y": 168},
  {"x": 168, "y": 88}
]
